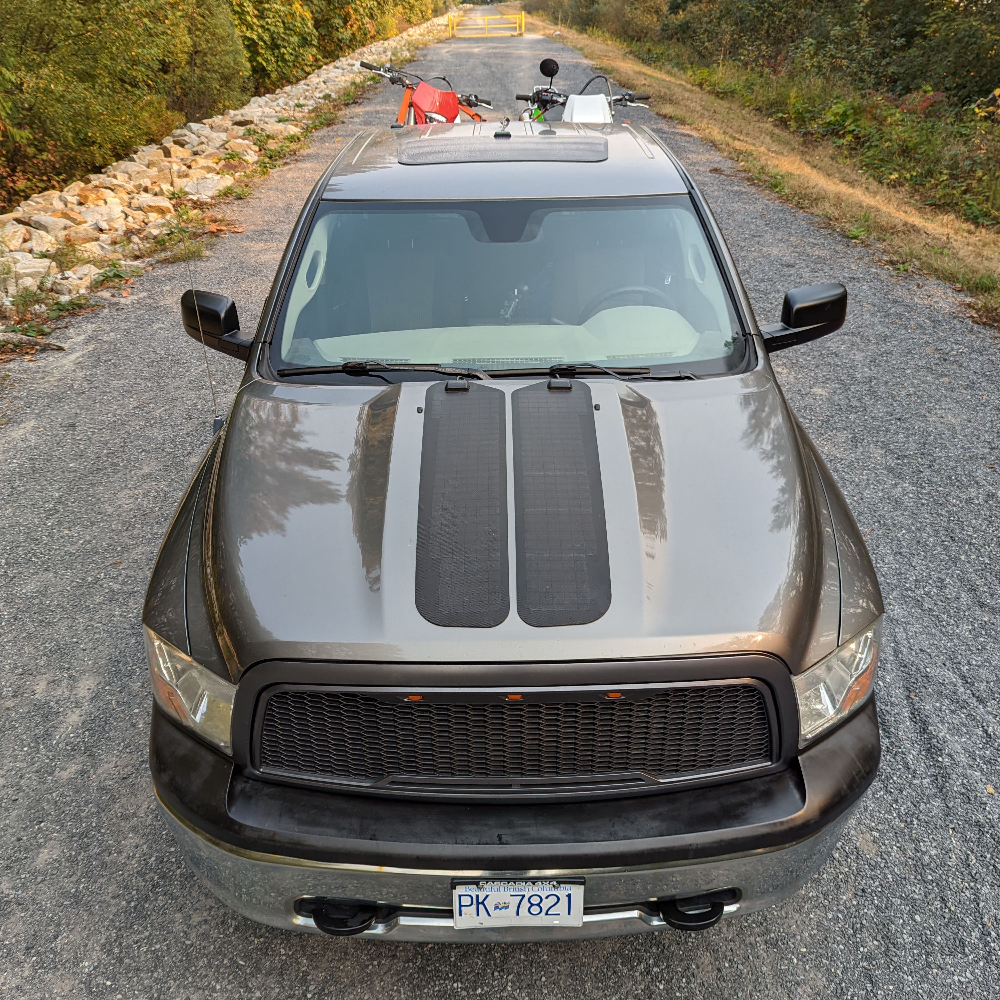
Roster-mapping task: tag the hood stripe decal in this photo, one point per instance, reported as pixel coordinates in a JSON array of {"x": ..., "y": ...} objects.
[
  {"x": 462, "y": 575},
  {"x": 563, "y": 572}
]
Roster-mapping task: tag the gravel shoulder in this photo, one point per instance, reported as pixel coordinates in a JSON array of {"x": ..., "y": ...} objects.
[{"x": 97, "y": 444}]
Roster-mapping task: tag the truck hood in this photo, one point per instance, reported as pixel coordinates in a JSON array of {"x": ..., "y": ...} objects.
[{"x": 714, "y": 524}]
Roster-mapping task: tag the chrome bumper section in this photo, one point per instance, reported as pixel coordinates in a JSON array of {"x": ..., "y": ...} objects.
[{"x": 265, "y": 887}]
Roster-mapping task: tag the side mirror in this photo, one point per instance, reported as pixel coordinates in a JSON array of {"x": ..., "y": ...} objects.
[
  {"x": 215, "y": 317},
  {"x": 809, "y": 312},
  {"x": 549, "y": 68}
]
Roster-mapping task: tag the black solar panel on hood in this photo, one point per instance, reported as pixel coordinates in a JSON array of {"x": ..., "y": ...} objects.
[
  {"x": 462, "y": 577},
  {"x": 563, "y": 571}
]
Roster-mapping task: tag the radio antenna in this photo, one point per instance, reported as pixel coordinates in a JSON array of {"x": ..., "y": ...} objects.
[{"x": 216, "y": 419}]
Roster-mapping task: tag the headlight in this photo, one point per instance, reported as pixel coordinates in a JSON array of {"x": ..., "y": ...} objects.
[
  {"x": 829, "y": 691},
  {"x": 198, "y": 699}
]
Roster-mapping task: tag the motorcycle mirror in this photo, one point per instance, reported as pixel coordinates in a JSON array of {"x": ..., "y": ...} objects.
[{"x": 549, "y": 68}]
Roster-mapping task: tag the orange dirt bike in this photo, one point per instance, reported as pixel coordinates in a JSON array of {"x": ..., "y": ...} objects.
[{"x": 423, "y": 104}]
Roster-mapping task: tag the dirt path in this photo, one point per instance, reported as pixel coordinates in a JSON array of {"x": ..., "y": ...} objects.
[{"x": 99, "y": 443}]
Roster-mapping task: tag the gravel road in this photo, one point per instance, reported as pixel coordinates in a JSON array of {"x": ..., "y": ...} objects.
[{"x": 98, "y": 443}]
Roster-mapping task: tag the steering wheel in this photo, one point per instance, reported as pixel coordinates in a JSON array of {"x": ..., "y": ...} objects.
[{"x": 598, "y": 302}]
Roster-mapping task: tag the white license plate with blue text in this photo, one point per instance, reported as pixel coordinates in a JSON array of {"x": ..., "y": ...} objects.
[{"x": 530, "y": 903}]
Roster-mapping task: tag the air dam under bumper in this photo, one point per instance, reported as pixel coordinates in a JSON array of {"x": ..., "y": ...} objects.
[{"x": 260, "y": 847}]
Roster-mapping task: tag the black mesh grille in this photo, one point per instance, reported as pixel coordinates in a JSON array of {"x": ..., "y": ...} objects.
[{"x": 352, "y": 736}]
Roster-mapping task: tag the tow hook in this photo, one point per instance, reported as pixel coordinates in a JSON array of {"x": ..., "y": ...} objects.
[
  {"x": 342, "y": 917},
  {"x": 697, "y": 913}
]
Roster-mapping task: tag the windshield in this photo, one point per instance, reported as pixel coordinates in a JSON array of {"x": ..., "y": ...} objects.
[{"x": 515, "y": 284}]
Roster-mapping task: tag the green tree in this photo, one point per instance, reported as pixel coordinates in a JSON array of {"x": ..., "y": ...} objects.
[
  {"x": 84, "y": 81},
  {"x": 216, "y": 74},
  {"x": 279, "y": 38},
  {"x": 344, "y": 25}
]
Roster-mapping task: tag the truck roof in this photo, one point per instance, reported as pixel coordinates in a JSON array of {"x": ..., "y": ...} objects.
[{"x": 466, "y": 162}]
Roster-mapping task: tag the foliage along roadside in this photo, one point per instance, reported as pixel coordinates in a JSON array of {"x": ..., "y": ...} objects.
[
  {"x": 273, "y": 128},
  {"x": 812, "y": 175},
  {"x": 83, "y": 82},
  {"x": 908, "y": 92}
]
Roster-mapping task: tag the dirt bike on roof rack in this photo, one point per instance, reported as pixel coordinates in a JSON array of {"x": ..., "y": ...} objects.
[
  {"x": 424, "y": 104},
  {"x": 583, "y": 108}
]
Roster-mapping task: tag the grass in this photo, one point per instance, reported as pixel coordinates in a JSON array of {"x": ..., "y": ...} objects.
[
  {"x": 115, "y": 272},
  {"x": 237, "y": 191},
  {"x": 182, "y": 239},
  {"x": 59, "y": 309},
  {"x": 812, "y": 174}
]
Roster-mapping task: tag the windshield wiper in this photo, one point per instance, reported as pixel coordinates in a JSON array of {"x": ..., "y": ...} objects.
[
  {"x": 624, "y": 374},
  {"x": 375, "y": 368},
  {"x": 570, "y": 369},
  {"x": 672, "y": 376}
]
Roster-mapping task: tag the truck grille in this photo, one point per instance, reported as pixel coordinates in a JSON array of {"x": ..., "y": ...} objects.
[{"x": 450, "y": 742}]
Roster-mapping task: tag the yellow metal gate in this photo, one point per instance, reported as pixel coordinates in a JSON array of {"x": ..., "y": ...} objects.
[{"x": 485, "y": 25}]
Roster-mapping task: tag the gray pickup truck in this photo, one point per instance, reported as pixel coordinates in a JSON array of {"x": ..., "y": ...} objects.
[{"x": 511, "y": 602}]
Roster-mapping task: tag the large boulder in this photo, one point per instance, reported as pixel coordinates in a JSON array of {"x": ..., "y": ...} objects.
[
  {"x": 108, "y": 212},
  {"x": 74, "y": 282},
  {"x": 207, "y": 187},
  {"x": 90, "y": 195},
  {"x": 79, "y": 235},
  {"x": 155, "y": 206},
  {"x": 174, "y": 152},
  {"x": 32, "y": 273},
  {"x": 129, "y": 170},
  {"x": 49, "y": 224},
  {"x": 12, "y": 236},
  {"x": 40, "y": 242}
]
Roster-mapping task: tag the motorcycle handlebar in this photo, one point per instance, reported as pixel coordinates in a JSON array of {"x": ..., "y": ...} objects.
[
  {"x": 523, "y": 97},
  {"x": 371, "y": 66},
  {"x": 641, "y": 97}
]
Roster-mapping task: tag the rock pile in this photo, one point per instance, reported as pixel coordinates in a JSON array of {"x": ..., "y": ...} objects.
[{"x": 131, "y": 199}]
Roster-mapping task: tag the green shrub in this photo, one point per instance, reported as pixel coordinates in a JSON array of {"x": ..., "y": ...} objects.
[
  {"x": 896, "y": 46},
  {"x": 950, "y": 155},
  {"x": 892, "y": 82},
  {"x": 84, "y": 81},
  {"x": 344, "y": 25},
  {"x": 279, "y": 39},
  {"x": 216, "y": 75}
]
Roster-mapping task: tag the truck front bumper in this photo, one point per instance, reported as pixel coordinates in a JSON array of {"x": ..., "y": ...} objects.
[
  {"x": 262, "y": 847},
  {"x": 265, "y": 887}
]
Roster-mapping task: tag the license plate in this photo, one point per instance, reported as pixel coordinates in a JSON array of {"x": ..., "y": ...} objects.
[{"x": 530, "y": 903}]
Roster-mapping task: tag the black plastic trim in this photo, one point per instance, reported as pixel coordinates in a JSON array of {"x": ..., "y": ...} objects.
[{"x": 205, "y": 790}]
